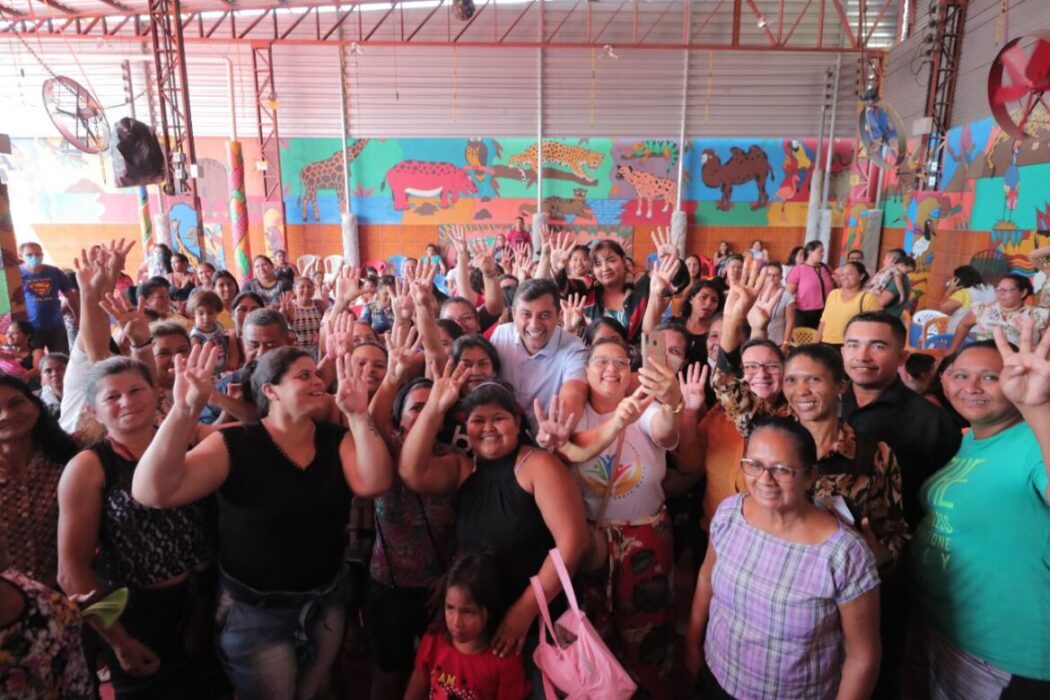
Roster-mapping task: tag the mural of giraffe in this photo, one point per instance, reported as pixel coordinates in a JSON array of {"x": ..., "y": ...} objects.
[{"x": 326, "y": 174}]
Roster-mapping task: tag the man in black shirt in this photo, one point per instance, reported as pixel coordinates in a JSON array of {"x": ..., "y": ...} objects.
[{"x": 880, "y": 407}]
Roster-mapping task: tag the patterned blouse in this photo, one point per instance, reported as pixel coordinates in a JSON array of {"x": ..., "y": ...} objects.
[
  {"x": 988, "y": 316},
  {"x": 29, "y": 508},
  {"x": 868, "y": 476},
  {"x": 307, "y": 325},
  {"x": 40, "y": 653},
  {"x": 742, "y": 406},
  {"x": 774, "y": 630}
]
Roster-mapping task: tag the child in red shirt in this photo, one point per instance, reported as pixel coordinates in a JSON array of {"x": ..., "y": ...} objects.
[{"x": 454, "y": 661}]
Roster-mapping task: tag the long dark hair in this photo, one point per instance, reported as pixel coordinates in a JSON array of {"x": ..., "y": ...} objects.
[
  {"x": 477, "y": 573},
  {"x": 271, "y": 369},
  {"x": 46, "y": 434}
]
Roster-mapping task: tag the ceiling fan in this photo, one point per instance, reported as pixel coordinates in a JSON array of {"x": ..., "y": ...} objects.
[
  {"x": 1017, "y": 82},
  {"x": 76, "y": 114}
]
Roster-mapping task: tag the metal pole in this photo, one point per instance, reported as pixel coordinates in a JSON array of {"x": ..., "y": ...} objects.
[
  {"x": 539, "y": 128},
  {"x": 681, "y": 127},
  {"x": 345, "y": 123},
  {"x": 831, "y": 135}
]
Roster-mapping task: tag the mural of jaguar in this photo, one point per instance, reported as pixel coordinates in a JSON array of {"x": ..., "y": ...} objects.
[
  {"x": 561, "y": 208},
  {"x": 576, "y": 158},
  {"x": 425, "y": 179}
]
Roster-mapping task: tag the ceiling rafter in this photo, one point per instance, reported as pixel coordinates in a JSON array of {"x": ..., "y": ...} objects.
[{"x": 10, "y": 11}]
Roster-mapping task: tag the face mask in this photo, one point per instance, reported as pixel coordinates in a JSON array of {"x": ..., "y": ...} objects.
[{"x": 34, "y": 260}]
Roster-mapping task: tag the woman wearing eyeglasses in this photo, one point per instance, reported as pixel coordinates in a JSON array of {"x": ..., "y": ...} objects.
[
  {"x": 1008, "y": 311},
  {"x": 787, "y": 601},
  {"x": 618, "y": 450}
]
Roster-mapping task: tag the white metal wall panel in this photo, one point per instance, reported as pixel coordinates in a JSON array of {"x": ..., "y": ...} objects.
[
  {"x": 907, "y": 71},
  {"x": 979, "y": 47}
]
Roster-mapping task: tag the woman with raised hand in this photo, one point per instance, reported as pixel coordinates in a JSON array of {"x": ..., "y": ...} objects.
[
  {"x": 107, "y": 539},
  {"x": 787, "y": 600},
  {"x": 284, "y": 486},
  {"x": 512, "y": 499},
  {"x": 619, "y": 454},
  {"x": 979, "y": 557}
]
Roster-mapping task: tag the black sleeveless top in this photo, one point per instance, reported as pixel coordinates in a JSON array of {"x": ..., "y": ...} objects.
[
  {"x": 282, "y": 528},
  {"x": 141, "y": 546},
  {"x": 494, "y": 514}
]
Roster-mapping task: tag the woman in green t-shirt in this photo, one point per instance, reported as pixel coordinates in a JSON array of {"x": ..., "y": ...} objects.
[{"x": 979, "y": 555}]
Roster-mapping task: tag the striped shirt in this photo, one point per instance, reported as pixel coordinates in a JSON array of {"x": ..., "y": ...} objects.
[{"x": 774, "y": 630}]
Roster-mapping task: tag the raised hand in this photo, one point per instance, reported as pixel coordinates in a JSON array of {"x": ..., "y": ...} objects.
[
  {"x": 765, "y": 303},
  {"x": 632, "y": 407},
  {"x": 119, "y": 256},
  {"x": 194, "y": 378},
  {"x": 401, "y": 300},
  {"x": 662, "y": 240},
  {"x": 572, "y": 312},
  {"x": 1025, "y": 378},
  {"x": 351, "y": 394},
  {"x": 554, "y": 428},
  {"x": 286, "y": 305},
  {"x": 347, "y": 284},
  {"x": 458, "y": 236},
  {"x": 339, "y": 329},
  {"x": 447, "y": 386},
  {"x": 561, "y": 247},
  {"x": 92, "y": 271},
  {"x": 401, "y": 346},
  {"x": 131, "y": 321},
  {"x": 484, "y": 257},
  {"x": 660, "y": 280},
  {"x": 693, "y": 382},
  {"x": 659, "y": 381}
]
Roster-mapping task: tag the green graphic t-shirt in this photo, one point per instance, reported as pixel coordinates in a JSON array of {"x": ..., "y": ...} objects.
[{"x": 981, "y": 555}]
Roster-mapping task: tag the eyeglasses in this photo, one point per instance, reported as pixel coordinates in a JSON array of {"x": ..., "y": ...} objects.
[
  {"x": 1006, "y": 290},
  {"x": 603, "y": 362},
  {"x": 780, "y": 472},
  {"x": 771, "y": 367}
]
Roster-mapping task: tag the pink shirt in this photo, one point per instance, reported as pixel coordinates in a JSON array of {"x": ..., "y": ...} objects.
[{"x": 814, "y": 285}]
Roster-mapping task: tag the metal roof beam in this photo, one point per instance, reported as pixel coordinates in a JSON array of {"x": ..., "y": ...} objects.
[
  {"x": 763, "y": 22},
  {"x": 54, "y": 4},
  {"x": 10, "y": 11},
  {"x": 116, "y": 5}
]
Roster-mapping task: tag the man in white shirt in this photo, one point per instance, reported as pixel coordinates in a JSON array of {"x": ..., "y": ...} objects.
[{"x": 537, "y": 357}]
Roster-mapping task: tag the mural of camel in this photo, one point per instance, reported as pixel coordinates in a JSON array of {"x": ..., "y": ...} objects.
[{"x": 740, "y": 168}]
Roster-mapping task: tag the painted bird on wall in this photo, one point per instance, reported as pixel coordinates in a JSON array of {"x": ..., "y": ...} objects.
[{"x": 1012, "y": 179}]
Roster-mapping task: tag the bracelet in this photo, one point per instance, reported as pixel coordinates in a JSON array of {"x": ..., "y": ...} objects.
[
  {"x": 144, "y": 345},
  {"x": 676, "y": 409}
]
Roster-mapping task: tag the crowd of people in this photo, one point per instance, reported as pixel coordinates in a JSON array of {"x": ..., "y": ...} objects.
[{"x": 310, "y": 466}]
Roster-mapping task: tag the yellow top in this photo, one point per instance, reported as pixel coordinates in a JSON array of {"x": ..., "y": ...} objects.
[{"x": 837, "y": 313}]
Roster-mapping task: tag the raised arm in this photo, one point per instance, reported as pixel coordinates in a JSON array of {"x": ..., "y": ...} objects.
[
  {"x": 167, "y": 476},
  {"x": 1025, "y": 381},
  {"x": 134, "y": 326},
  {"x": 458, "y": 236},
  {"x": 418, "y": 466},
  {"x": 660, "y": 285},
  {"x": 493, "y": 293},
  {"x": 661, "y": 383},
  {"x": 95, "y": 282},
  {"x": 688, "y": 453},
  {"x": 365, "y": 457}
]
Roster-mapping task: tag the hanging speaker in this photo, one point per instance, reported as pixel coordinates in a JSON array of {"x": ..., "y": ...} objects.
[{"x": 138, "y": 159}]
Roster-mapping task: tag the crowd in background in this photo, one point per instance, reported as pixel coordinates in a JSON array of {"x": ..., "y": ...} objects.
[{"x": 319, "y": 464}]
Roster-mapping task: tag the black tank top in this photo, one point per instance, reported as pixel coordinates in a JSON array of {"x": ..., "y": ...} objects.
[
  {"x": 282, "y": 528},
  {"x": 494, "y": 514},
  {"x": 140, "y": 546}
]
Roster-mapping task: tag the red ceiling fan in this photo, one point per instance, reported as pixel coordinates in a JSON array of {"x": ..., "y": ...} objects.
[{"x": 1017, "y": 82}]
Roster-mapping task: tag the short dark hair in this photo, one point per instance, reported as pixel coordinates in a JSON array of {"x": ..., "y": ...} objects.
[
  {"x": 203, "y": 298},
  {"x": 968, "y": 276},
  {"x": 699, "y": 286},
  {"x": 270, "y": 368},
  {"x": 1023, "y": 283},
  {"x": 918, "y": 364},
  {"x": 477, "y": 573},
  {"x": 454, "y": 330},
  {"x": 896, "y": 326},
  {"x": 908, "y": 262},
  {"x": 811, "y": 246},
  {"x": 151, "y": 285},
  {"x": 458, "y": 300},
  {"x": 241, "y": 296},
  {"x": 24, "y": 326},
  {"x": 536, "y": 288},
  {"x": 608, "y": 341},
  {"x": 774, "y": 263},
  {"x": 762, "y": 343},
  {"x": 398, "y": 408},
  {"x": 163, "y": 329},
  {"x": 805, "y": 445},
  {"x": 824, "y": 355},
  {"x": 267, "y": 317},
  {"x": 464, "y": 342},
  {"x": 495, "y": 392},
  {"x": 861, "y": 270},
  {"x": 60, "y": 357},
  {"x": 976, "y": 345},
  {"x": 109, "y": 367},
  {"x": 597, "y": 324},
  {"x": 610, "y": 245}
]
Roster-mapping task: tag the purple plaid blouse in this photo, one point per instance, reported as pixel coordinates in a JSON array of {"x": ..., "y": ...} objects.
[{"x": 773, "y": 630}]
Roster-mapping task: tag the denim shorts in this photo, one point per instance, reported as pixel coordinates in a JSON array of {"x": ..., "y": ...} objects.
[{"x": 279, "y": 645}]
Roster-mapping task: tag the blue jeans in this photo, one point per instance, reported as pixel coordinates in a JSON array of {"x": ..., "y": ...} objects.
[{"x": 279, "y": 645}]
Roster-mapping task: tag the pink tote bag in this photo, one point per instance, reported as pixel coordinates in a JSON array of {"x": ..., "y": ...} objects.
[{"x": 582, "y": 667}]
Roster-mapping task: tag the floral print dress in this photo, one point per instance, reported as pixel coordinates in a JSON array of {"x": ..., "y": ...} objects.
[{"x": 40, "y": 653}]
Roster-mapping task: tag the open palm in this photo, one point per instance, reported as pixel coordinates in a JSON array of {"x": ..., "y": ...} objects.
[
  {"x": 1025, "y": 379},
  {"x": 194, "y": 378}
]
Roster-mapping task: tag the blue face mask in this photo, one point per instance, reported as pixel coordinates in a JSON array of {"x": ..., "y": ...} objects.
[{"x": 34, "y": 260}]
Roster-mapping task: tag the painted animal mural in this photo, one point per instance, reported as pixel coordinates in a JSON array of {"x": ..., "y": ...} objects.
[
  {"x": 740, "y": 168},
  {"x": 654, "y": 149},
  {"x": 477, "y": 156},
  {"x": 425, "y": 179},
  {"x": 563, "y": 208},
  {"x": 649, "y": 187},
  {"x": 576, "y": 158},
  {"x": 327, "y": 174}
]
